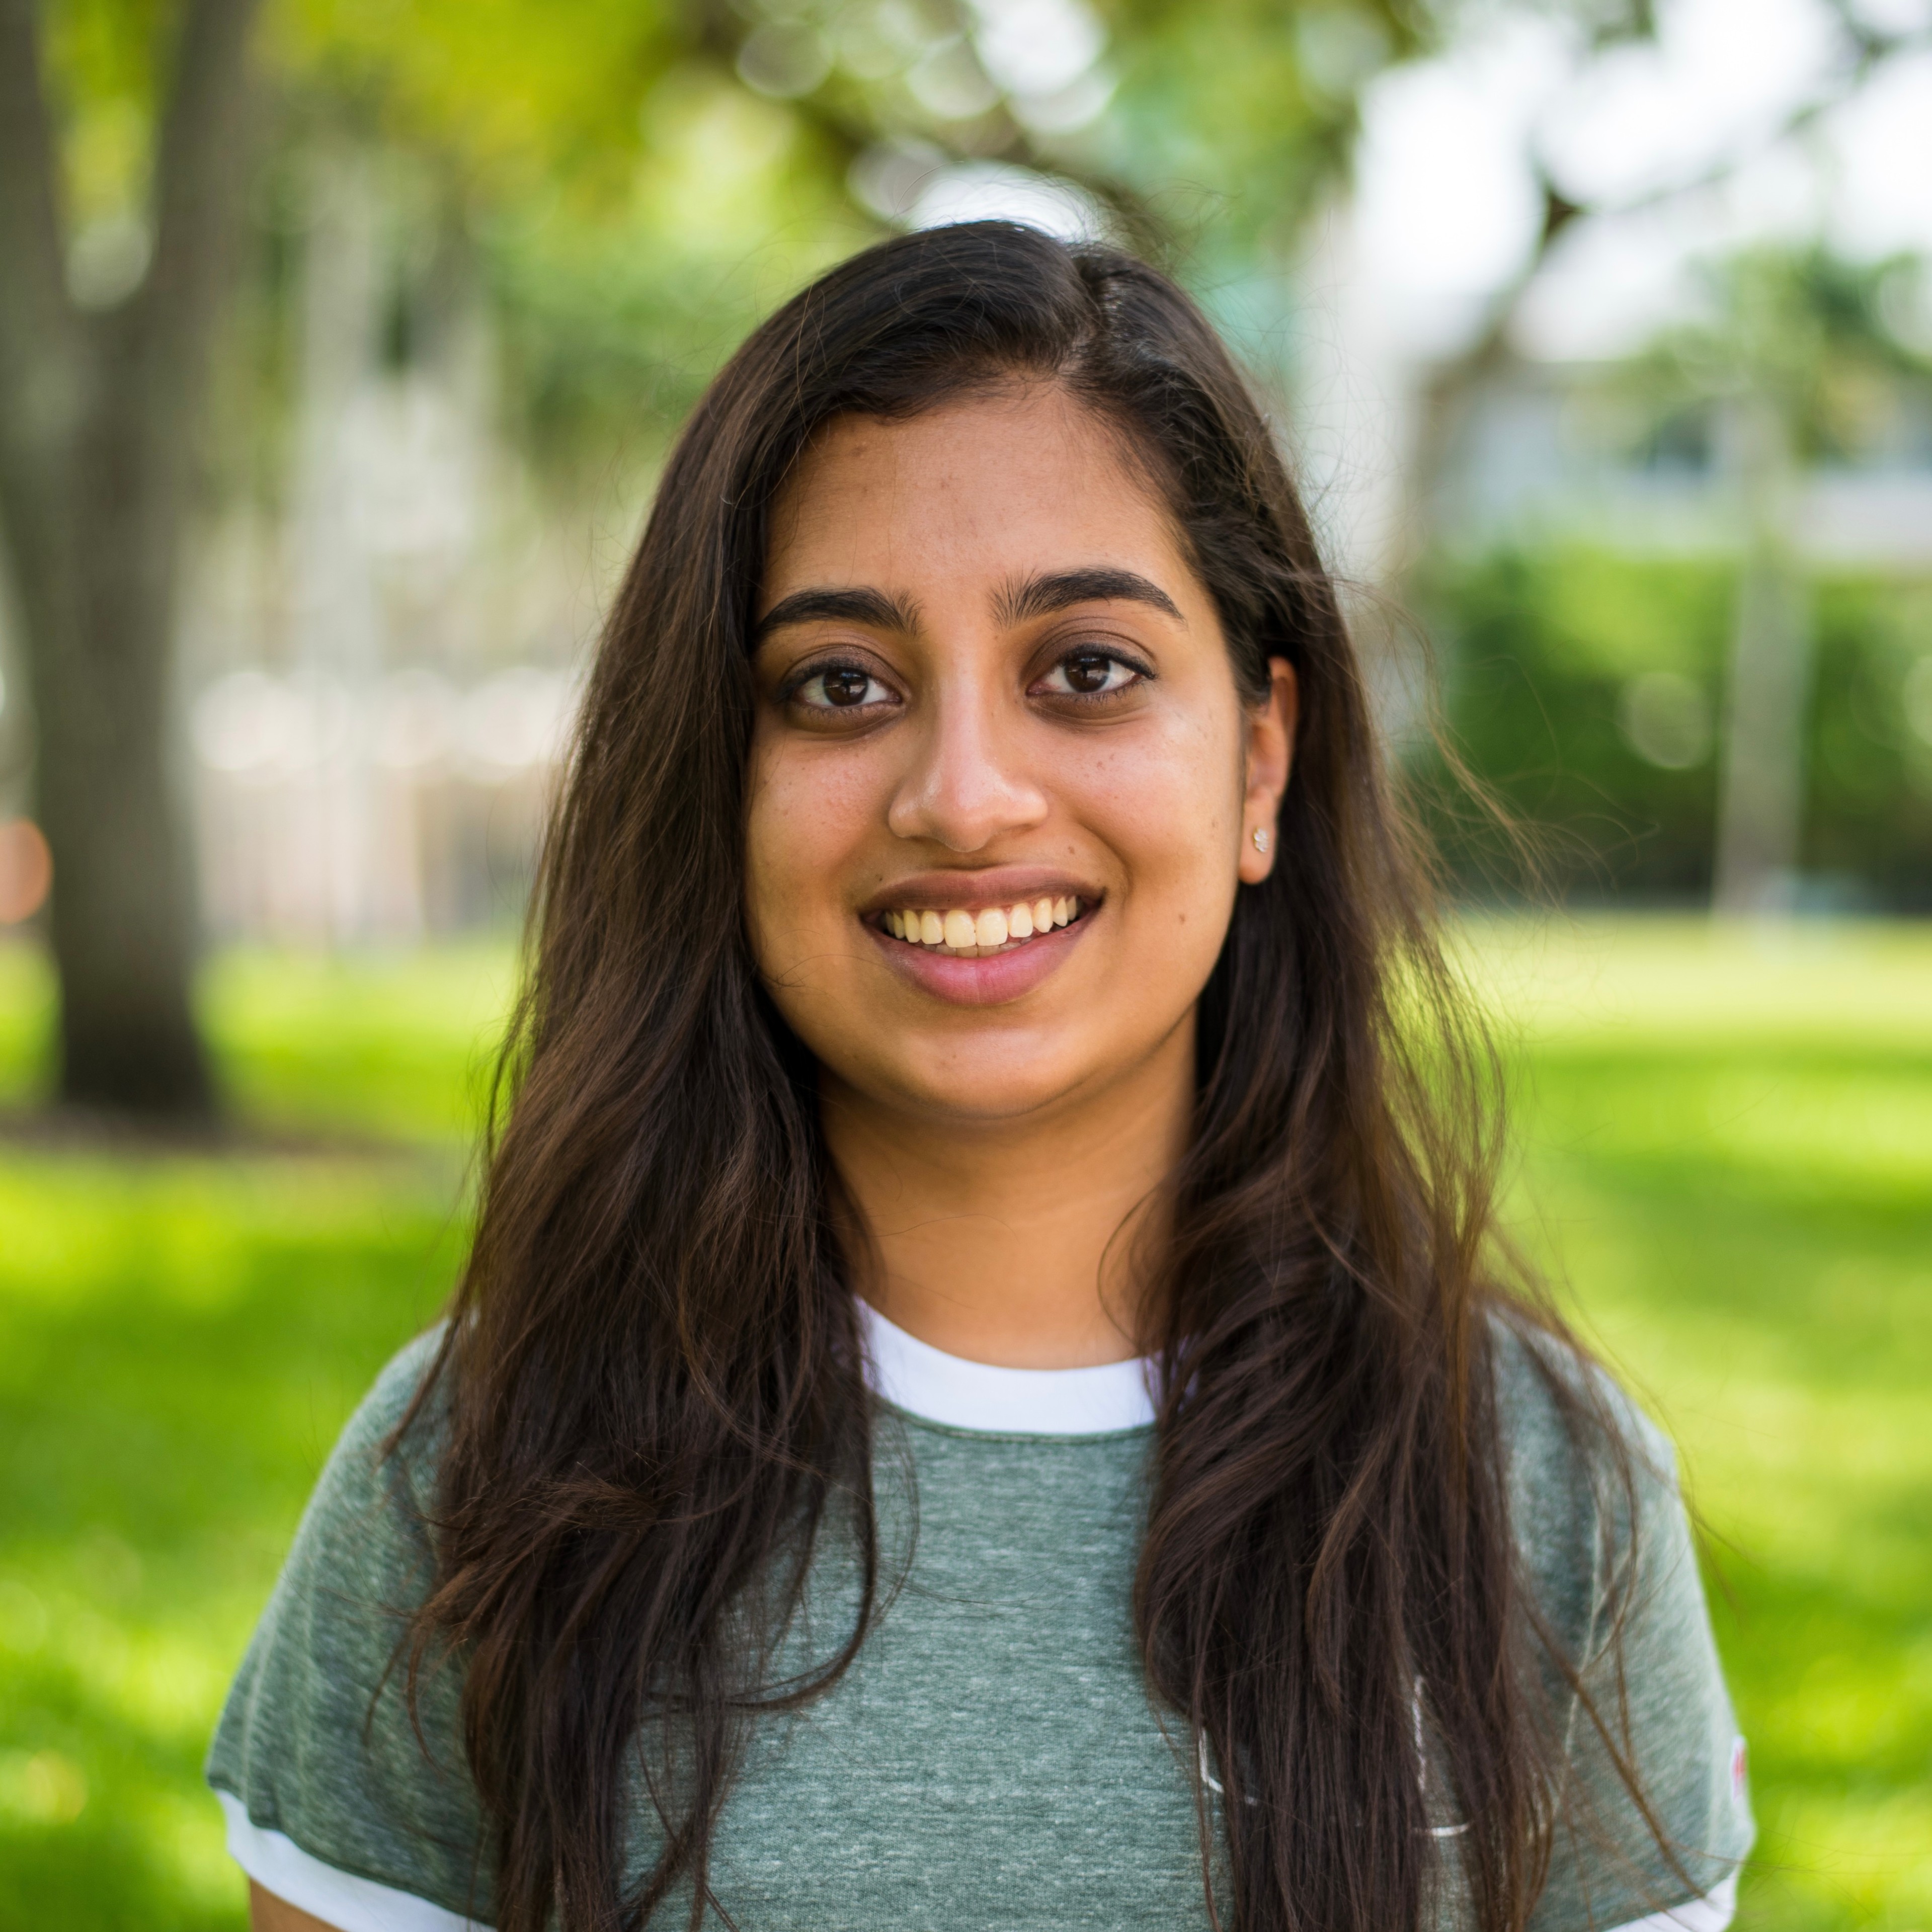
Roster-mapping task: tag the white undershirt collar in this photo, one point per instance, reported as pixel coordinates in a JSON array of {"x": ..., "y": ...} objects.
[{"x": 927, "y": 1382}]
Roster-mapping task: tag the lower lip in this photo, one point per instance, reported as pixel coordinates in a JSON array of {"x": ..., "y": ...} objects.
[{"x": 984, "y": 983}]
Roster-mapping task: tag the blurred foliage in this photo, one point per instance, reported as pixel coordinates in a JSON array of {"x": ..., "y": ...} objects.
[
  {"x": 612, "y": 320},
  {"x": 1230, "y": 118},
  {"x": 1729, "y": 1156},
  {"x": 104, "y": 58},
  {"x": 1548, "y": 652},
  {"x": 515, "y": 94},
  {"x": 1825, "y": 339},
  {"x": 633, "y": 182}
]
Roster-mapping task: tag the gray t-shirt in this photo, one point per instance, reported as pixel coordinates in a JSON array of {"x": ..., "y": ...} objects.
[{"x": 993, "y": 1758}]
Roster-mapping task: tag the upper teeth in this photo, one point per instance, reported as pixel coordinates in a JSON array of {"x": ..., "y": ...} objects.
[{"x": 969, "y": 933}]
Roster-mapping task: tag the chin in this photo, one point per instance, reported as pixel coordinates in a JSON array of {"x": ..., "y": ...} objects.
[{"x": 1009, "y": 1080}]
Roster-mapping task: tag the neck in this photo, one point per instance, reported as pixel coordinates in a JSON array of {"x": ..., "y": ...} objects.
[{"x": 1021, "y": 1243}]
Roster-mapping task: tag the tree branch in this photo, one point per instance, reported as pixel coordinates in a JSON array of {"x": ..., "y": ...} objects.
[
  {"x": 1450, "y": 381},
  {"x": 38, "y": 391},
  {"x": 199, "y": 173}
]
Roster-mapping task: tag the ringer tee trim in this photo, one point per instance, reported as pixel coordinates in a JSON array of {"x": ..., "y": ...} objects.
[
  {"x": 984, "y": 1400},
  {"x": 278, "y": 1864},
  {"x": 1711, "y": 1913}
]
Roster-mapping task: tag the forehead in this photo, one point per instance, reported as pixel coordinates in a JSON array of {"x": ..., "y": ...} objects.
[{"x": 1021, "y": 480}]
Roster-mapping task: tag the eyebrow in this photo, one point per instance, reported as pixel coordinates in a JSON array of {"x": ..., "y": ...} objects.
[
  {"x": 1019, "y": 600},
  {"x": 1059, "y": 590},
  {"x": 859, "y": 605}
]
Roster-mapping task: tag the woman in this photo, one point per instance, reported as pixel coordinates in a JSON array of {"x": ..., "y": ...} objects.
[{"x": 981, "y": 1396}]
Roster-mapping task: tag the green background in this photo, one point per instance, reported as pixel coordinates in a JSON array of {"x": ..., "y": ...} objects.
[
  {"x": 1727, "y": 1159},
  {"x": 1535, "y": 644}
]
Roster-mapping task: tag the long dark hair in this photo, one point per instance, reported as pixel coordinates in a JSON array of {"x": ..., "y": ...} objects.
[{"x": 653, "y": 1372}]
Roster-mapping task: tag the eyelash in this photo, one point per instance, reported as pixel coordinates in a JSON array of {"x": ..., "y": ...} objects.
[
  {"x": 801, "y": 681},
  {"x": 797, "y": 686},
  {"x": 1138, "y": 673}
]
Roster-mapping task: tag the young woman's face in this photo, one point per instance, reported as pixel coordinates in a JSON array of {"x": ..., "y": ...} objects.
[{"x": 993, "y": 696}]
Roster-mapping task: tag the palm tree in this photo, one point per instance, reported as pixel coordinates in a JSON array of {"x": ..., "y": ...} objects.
[{"x": 1794, "y": 345}]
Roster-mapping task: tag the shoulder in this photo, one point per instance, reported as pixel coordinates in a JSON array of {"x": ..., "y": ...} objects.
[
  {"x": 1606, "y": 1548},
  {"x": 392, "y": 1402},
  {"x": 400, "y": 1377},
  {"x": 1555, "y": 1404},
  {"x": 377, "y": 1492},
  {"x": 363, "y": 1544},
  {"x": 391, "y": 1429},
  {"x": 320, "y": 1742},
  {"x": 1588, "y": 1473},
  {"x": 363, "y": 1558}
]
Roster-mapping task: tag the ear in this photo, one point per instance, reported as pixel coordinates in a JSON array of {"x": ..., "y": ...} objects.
[{"x": 1270, "y": 752}]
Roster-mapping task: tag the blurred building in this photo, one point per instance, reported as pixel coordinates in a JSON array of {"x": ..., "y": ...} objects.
[
  {"x": 333, "y": 812},
  {"x": 1666, "y": 650},
  {"x": 379, "y": 653},
  {"x": 1552, "y": 450}
]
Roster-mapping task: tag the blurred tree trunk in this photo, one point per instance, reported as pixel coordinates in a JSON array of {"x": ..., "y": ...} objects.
[
  {"x": 99, "y": 417},
  {"x": 1760, "y": 810}
]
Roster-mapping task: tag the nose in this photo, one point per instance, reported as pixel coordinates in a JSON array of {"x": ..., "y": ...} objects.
[{"x": 969, "y": 781}]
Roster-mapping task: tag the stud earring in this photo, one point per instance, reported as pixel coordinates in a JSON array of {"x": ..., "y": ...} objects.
[{"x": 1261, "y": 839}]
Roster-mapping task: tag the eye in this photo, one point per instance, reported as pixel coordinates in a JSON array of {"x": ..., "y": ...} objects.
[
  {"x": 839, "y": 687},
  {"x": 1089, "y": 673}
]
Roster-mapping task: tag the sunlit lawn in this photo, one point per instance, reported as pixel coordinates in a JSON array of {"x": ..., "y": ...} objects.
[{"x": 1729, "y": 1147}]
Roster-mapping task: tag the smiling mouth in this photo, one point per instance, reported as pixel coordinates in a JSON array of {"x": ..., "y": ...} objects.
[{"x": 964, "y": 933}]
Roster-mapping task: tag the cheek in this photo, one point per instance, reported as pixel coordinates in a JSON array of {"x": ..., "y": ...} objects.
[
  {"x": 1169, "y": 803},
  {"x": 1171, "y": 812},
  {"x": 808, "y": 814}
]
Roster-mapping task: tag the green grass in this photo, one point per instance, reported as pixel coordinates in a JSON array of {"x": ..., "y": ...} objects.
[
  {"x": 1727, "y": 1153},
  {"x": 1728, "y": 1156},
  {"x": 180, "y": 1340}
]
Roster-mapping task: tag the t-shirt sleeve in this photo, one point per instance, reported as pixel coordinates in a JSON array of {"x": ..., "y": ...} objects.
[
  {"x": 316, "y": 1743},
  {"x": 1640, "y": 1632}
]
